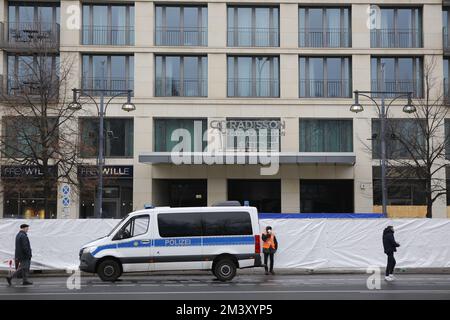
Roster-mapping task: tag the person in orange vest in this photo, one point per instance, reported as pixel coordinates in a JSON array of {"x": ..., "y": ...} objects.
[{"x": 270, "y": 246}]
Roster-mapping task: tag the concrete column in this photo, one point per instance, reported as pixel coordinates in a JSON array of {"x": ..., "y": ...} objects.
[
  {"x": 360, "y": 30},
  {"x": 361, "y": 72},
  {"x": 144, "y": 75},
  {"x": 289, "y": 25},
  {"x": 144, "y": 23},
  {"x": 142, "y": 180},
  {"x": 71, "y": 22},
  {"x": 362, "y": 130},
  {"x": 290, "y": 141},
  {"x": 217, "y": 75},
  {"x": 289, "y": 76},
  {"x": 217, "y": 24},
  {"x": 290, "y": 189},
  {"x": 432, "y": 28},
  {"x": 217, "y": 190}
]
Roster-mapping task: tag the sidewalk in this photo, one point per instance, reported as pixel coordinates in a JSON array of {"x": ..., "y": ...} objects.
[{"x": 59, "y": 273}]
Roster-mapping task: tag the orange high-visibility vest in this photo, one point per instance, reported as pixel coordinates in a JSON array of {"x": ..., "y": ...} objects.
[{"x": 269, "y": 242}]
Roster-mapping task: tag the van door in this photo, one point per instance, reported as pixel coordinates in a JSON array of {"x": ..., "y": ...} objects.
[
  {"x": 178, "y": 241},
  {"x": 134, "y": 244}
]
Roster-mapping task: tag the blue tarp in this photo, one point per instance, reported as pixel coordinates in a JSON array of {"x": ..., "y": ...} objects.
[{"x": 320, "y": 215}]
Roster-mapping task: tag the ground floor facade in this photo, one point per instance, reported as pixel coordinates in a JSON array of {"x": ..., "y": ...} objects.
[{"x": 294, "y": 189}]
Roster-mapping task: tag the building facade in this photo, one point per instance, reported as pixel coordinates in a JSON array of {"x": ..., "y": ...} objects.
[{"x": 285, "y": 69}]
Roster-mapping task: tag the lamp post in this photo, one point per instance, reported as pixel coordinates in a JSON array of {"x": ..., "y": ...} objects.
[
  {"x": 383, "y": 111},
  {"x": 101, "y": 108}
]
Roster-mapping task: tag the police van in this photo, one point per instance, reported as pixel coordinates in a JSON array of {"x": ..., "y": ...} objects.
[{"x": 219, "y": 238}]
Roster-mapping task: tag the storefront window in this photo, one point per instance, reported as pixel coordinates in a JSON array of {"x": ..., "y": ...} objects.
[
  {"x": 118, "y": 136},
  {"x": 164, "y": 129},
  {"x": 26, "y": 200},
  {"x": 326, "y": 135}
]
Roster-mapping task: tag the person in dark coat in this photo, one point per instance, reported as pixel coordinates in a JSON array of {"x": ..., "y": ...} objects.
[
  {"x": 23, "y": 255},
  {"x": 390, "y": 246},
  {"x": 270, "y": 246}
]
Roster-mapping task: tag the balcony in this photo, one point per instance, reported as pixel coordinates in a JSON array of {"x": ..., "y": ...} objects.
[
  {"x": 251, "y": 88},
  {"x": 340, "y": 88},
  {"x": 324, "y": 38},
  {"x": 113, "y": 85},
  {"x": 29, "y": 37},
  {"x": 253, "y": 37},
  {"x": 108, "y": 36},
  {"x": 181, "y": 36},
  {"x": 181, "y": 88},
  {"x": 398, "y": 38},
  {"x": 398, "y": 86}
]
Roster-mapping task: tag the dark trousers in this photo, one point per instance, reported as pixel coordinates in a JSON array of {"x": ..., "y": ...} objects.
[
  {"x": 390, "y": 264},
  {"x": 266, "y": 256},
  {"x": 23, "y": 270}
]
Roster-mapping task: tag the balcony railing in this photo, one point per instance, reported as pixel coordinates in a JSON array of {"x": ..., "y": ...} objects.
[
  {"x": 340, "y": 88},
  {"x": 446, "y": 38},
  {"x": 253, "y": 37},
  {"x": 108, "y": 35},
  {"x": 398, "y": 38},
  {"x": 398, "y": 86},
  {"x": 324, "y": 38},
  {"x": 30, "y": 36},
  {"x": 113, "y": 85},
  {"x": 239, "y": 87},
  {"x": 181, "y": 88},
  {"x": 181, "y": 36}
]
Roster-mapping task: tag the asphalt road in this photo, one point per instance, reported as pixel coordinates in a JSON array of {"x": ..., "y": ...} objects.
[{"x": 204, "y": 287}]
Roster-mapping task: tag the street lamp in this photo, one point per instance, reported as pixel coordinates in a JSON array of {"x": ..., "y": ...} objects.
[
  {"x": 75, "y": 105},
  {"x": 383, "y": 110}
]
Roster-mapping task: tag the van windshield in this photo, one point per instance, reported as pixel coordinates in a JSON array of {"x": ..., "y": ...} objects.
[{"x": 117, "y": 225}]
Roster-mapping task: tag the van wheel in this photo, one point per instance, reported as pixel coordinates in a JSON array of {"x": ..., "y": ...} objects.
[
  {"x": 109, "y": 270},
  {"x": 225, "y": 270}
]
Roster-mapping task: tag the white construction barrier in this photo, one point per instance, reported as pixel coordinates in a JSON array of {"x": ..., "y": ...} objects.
[{"x": 303, "y": 243}]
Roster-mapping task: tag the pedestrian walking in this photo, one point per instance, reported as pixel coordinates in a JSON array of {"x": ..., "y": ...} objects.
[
  {"x": 390, "y": 246},
  {"x": 23, "y": 256},
  {"x": 270, "y": 246}
]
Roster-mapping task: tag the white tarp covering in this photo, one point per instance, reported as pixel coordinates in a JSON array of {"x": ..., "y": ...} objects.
[{"x": 303, "y": 243}]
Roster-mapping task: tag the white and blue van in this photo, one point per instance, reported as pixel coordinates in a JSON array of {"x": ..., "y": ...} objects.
[{"x": 220, "y": 238}]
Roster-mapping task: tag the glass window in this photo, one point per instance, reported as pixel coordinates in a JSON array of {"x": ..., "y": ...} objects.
[
  {"x": 118, "y": 137},
  {"x": 326, "y": 196},
  {"x": 403, "y": 187},
  {"x": 324, "y": 27},
  {"x": 173, "y": 225},
  {"x": 181, "y": 76},
  {"x": 166, "y": 140},
  {"x": 226, "y": 223},
  {"x": 108, "y": 24},
  {"x": 402, "y": 74},
  {"x": 181, "y": 25},
  {"x": 324, "y": 77},
  {"x": 253, "y": 76},
  {"x": 399, "y": 28},
  {"x": 251, "y": 135},
  {"x": 113, "y": 73},
  {"x": 326, "y": 135},
  {"x": 253, "y": 26},
  {"x": 404, "y": 138},
  {"x": 137, "y": 226}
]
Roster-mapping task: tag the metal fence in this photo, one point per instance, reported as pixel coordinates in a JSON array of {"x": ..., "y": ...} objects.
[
  {"x": 239, "y": 87},
  {"x": 398, "y": 86},
  {"x": 253, "y": 37},
  {"x": 398, "y": 38},
  {"x": 324, "y": 38},
  {"x": 34, "y": 36},
  {"x": 181, "y": 36},
  {"x": 181, "y": 88},
  {"x": 113, "y": 85},
  {"x": 340, "y": 88},
  {"x": 108, "y": 35}
]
